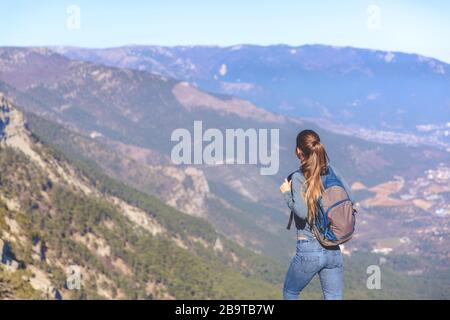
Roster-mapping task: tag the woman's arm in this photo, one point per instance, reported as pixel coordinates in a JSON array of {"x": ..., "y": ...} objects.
[{"x": 294, "y": 199}]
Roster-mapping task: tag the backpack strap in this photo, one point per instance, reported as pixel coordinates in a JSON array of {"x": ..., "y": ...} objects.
[{"x": 291, "y": 216}]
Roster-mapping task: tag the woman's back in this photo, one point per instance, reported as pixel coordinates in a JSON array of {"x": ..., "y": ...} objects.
[{"x": 298, "y": 205}]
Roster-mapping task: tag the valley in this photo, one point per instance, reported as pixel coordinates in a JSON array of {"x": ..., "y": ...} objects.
[{"x": 413, "y": 212}]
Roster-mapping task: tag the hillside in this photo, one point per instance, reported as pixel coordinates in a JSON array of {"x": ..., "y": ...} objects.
[{"x": 54, "y": 214}]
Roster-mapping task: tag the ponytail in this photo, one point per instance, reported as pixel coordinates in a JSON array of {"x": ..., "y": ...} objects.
[{"x": 313, "y": 166}]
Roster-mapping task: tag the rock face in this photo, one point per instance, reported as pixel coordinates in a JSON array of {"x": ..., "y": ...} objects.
[
  {"x": 189, "y": 190},
  {"x": 6, "y": 292},
  {"x": 7, "y": 257},
  {"x": 2, "y": 246},
  {"x": 4, "y": 119},
  {"x": 12, "y": 129},
  {"x": 218, "y": 246}
]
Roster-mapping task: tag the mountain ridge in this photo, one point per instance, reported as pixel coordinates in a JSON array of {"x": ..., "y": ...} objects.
[{"x": 61, "y": 48}]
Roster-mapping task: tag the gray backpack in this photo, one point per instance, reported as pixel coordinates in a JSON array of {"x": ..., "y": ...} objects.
[{"x": 335, "y": 218}]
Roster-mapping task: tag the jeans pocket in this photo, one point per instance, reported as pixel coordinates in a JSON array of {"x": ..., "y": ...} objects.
[
  {"x": 308, "y": 245},
  {"x": 308, "y": 263},
  {"x": 336, "y": 260}
]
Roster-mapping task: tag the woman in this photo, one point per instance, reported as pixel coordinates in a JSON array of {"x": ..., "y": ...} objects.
[{"x": 311, "y": 257}]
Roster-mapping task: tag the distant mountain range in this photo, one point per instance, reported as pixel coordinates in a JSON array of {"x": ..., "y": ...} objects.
[{"x": 374, "y": 89}]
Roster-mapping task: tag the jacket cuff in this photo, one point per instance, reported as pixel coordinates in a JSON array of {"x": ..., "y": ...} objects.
[{"x": 287, "y": 195}]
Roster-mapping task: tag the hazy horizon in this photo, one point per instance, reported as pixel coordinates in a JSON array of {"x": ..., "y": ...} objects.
[
  {"x": 416, "y": 27},
  {"x": 222, "y": 46}
]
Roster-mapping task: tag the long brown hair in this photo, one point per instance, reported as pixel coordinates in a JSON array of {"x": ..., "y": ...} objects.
[{"x": 313, "y": 165}]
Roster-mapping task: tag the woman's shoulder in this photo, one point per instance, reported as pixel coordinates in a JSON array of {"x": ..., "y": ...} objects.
[{"x": 298, "y": 175}]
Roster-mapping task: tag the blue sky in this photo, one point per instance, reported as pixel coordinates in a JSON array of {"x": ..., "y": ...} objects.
[{"x": 417, "y": 26}]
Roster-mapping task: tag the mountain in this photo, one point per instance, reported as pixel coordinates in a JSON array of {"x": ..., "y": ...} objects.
[
  {"x": 121, "y": 120},
  {"x": 374, "y": 89}
]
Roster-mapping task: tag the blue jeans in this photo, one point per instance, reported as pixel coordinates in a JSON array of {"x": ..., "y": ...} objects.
[{"x": 311, "y": 258}]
